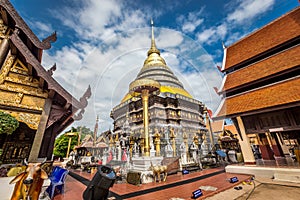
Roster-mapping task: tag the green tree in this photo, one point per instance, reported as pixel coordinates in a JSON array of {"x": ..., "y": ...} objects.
[
  {"x": 8, "y": 124},
  {"x": 61, "y": 143},
  {"x": 84, "y": 131}
]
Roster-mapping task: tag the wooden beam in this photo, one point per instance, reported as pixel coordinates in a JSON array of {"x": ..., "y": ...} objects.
[
  {"x": 67, "y": 105},
  {"x": 29, "y": 66},
  {"x": 38, "y": 138},
  {"x": 4, "y": 16},
  {"x": 41, "y": 82},
  {"x": 51, "y": 94}
]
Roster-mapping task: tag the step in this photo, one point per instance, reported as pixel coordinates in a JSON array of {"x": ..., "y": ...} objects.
[
  {"x": 276, "y": 173},
  {"x": 289, "y": 176}
]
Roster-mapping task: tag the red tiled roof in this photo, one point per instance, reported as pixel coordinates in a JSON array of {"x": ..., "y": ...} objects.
[
  {"x": 271, "y": 35},
  {"x": 278, "y": 94},
  {"x": 272, "y": 65},
  {"x": 231, "y": 128},
  {"x": 217, "y": 126}
]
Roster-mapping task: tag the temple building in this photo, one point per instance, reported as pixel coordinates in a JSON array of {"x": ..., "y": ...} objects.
[
  {"x": 173, "y": 112},
  {"x": 30, "y": 93},
  {"x": 261, "y": 89}
]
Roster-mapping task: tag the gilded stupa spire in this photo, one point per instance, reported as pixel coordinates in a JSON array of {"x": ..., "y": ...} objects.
[
  {"x": 153, "y": 48},
  {"x": 155, "y": 68},
  {"x": 95, "y": 130}
]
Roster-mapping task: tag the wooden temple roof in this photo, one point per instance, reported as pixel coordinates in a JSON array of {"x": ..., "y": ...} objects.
[
  {"x": 270, "y": 36},
  {"x": 26, "y": 45},
  {"x": 231, "y": 128},
  {"x": 285, "y": 93},
  {"x": 217, "y": 126},
  {"x": 20, "y": 24},
  {"x": 88, "y": 138},
  {"x": 276, "y": 64},
  {"x": 41, "y": 72}
]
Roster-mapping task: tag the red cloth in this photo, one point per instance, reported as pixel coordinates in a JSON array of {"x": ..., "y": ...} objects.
[
  {"x": 110, "y": 157},
  {"x": 124, "y": 156},
  {"x": 210, "y": 113}
]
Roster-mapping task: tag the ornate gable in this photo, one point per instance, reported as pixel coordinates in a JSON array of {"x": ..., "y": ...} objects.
[{"x": 20, "y": 93}]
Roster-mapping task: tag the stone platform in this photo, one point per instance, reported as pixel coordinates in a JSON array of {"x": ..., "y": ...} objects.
[
  {"x": 143, "y": 163},
  {"x": 277, "y": 173}
]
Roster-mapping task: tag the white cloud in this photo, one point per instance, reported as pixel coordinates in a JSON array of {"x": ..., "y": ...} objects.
[
  {"x": 221, "y": 30},
  {"x": 167, "y": 38},
  {"x": 191, "y": 22},
  {"x": 43, "y": 27},
  {"x": 92, "y": 19},
  {"x": 248, "y": 9},
  {"x": 205, "y": 58},
  {"x": 191, "y": 26},
  {"x": 206, "y": 35},
  {"x": 42, "y": 30},
  {"x": 112, "y": 52},
  {"x": 232, "y": 38}
]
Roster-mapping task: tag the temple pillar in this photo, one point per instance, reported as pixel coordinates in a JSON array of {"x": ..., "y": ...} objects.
[
  {"x": 276, "y": 146},
  {"x": 157, "y": 142},
  {"x": 37, "y": 142},
  {"x": 131, "y": 144},
  {"x": 284, "y": 148},
  {"x": 209, "y": 128},
  {"x": 244, "y": 143},
  {"x": 145, "y": 98},
  {"x": 185, "y": 139},
  {"x": 111, "y": 142},
  {"x": 265, "y": 148},
  {"x": 172, "y": 137}
]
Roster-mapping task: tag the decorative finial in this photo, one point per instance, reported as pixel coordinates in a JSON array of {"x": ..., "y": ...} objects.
[
  {"x": 224, "y": 47},
  {"x": 52, "y": 69},
  {"x": 153, "y": 48},
  {"x": 152, "y": 35}
]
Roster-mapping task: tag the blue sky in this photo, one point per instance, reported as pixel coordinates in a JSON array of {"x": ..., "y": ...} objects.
[{"x": 103, "y": 43}]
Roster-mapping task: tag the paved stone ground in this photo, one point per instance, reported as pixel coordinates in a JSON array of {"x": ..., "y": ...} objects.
[{"x": 261, "y": 189}]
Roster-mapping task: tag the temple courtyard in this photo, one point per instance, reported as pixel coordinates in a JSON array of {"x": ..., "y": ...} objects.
[{"x": 213, "y": 182}]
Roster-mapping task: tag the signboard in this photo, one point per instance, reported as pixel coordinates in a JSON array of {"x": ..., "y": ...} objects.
[
  {"x": 233, "y": 179},
  {"x": 196, "y": 194},
  {"x": 276, "y": 129}
]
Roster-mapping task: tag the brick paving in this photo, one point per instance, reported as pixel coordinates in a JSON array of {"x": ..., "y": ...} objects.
[
  {"x": 185, "y": 191},
  {"x": 180, "y": 186}
]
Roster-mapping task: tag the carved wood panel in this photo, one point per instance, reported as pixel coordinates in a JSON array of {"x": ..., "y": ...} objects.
[{"x": 18, "y": 145}]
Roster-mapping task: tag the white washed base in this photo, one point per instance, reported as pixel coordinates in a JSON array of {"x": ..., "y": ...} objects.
[{"x": 141, "y": 164}]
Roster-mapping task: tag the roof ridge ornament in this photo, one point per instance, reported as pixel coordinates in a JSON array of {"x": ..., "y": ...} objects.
[
  {"x": 51, "y": 38},
  {"x": 52, "y": 69},
  {"x": 87, "y": 94},
  {"x": 83, "y": 100},
  {"x": 223, "y": 45}
]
